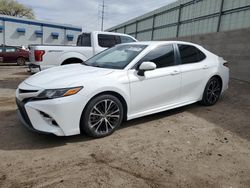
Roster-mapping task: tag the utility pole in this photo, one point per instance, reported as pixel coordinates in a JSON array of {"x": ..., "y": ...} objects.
[{"x": 103, "y": 11}]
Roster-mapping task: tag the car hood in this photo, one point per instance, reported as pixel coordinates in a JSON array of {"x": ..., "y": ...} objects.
[{"x": 66, "y": 76}]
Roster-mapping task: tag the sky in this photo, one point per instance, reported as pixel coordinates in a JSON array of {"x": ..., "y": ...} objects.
[{"x": 87, "y": 13}]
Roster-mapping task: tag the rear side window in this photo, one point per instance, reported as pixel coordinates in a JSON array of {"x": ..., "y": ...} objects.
[
  {"x": 190, "y": 54},
  {"x": 162, "y": 56},
  {"x": 125, "y": 39},
  {"x": 84, "y": 40},
  {"x": 107, "y": 41}
]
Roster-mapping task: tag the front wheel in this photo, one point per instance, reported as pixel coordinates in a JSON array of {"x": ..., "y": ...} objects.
[
  {"x": 102, "y": 116},
  {"x": 212, "y": 92}
]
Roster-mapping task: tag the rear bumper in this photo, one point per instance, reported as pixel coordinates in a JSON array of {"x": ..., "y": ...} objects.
[{"x": 34, "y": 68}]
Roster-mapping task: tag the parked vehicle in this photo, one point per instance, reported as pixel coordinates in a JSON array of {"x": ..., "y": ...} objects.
[
  {"x": 122, "y": 83},
  {"x": 13, "y": 54},
  {"x": 88, "y": 44}
]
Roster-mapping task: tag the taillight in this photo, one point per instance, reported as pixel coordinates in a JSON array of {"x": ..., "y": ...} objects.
[{"x": 39, "y": 55}]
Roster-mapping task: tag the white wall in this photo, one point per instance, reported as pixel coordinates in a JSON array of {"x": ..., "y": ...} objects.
[
  {"x": 12, "y": 37},
  {"x": 70, "y": 32},
  {"x": 47, "y": 38},
  {"x": 1, "y": 33}
]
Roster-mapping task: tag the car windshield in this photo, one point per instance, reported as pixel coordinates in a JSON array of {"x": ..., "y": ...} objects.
[{"x": 117, "y": 57}]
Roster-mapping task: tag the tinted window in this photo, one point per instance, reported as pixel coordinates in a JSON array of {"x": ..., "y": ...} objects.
[
  {"x": 162, "y": 56},
  {"x": 84, "y": 40},
  {"x": 107, "y": 41},
  {"x": 126, "y": 39},
  {"x": 1, "y": 49},
  {"x": 190, "y": 54}
]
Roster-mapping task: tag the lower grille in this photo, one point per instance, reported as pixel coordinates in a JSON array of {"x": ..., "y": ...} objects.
[{"x": 23, "y": 112}]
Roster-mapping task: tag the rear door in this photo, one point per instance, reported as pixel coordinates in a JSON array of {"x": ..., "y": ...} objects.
[{"x": 195, "y": 70}]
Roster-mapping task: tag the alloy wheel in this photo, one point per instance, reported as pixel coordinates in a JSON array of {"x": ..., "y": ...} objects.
[
  {"x": 104, "y": 116},
  {"x": 213, "y": 91}
]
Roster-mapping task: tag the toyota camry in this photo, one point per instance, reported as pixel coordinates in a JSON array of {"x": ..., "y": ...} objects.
[{"x": 122, "y": 83}]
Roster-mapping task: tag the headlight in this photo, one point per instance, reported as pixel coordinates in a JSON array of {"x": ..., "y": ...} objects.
[{"x": 56, "y": 93}]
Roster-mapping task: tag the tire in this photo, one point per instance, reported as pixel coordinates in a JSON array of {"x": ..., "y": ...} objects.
[
  {"x": 212, "y": 92},
  {"x": 102, "y": 116},
  {"x": 20, "y": 61}
]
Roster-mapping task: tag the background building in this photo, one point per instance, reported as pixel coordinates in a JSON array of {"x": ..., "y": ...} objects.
[
  {"x": 19, "y": 31},
  {"x": 222, "y": 26}
]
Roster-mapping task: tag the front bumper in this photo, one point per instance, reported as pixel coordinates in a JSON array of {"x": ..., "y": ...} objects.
[
  {"x": 59, "y": 116},
  {"x": 28, "y": 126},
  {"x": 24, "y": 118}
]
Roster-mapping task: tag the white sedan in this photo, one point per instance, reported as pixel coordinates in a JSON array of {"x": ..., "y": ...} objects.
[{"x": 122, "y": 83}]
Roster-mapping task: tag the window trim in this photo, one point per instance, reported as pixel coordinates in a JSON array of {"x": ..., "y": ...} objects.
[
  {"x": 179, "y": 54},
  {"x": 135, "y": 67}
]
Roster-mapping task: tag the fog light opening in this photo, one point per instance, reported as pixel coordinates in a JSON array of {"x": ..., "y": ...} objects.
[{"x": 49, "y": 119}]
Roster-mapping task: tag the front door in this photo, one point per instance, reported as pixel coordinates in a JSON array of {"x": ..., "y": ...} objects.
[
  {"x": 157, "y": 89},
  {"x": 10, "y": 54}
]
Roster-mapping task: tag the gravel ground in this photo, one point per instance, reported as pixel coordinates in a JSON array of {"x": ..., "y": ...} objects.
[{"x": 192, "y": 146}]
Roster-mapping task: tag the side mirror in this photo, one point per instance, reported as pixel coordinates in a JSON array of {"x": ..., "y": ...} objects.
[{"x": 146, "y": 66}]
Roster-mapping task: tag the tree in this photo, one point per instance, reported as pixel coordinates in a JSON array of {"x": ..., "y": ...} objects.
[{"x": 13, "y": 8}]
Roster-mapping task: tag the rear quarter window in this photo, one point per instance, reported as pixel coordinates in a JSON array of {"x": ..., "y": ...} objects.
[{"x": 190, "y": 54}]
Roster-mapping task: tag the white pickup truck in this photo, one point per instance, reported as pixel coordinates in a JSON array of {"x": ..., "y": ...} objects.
[{"x": 88, "y": 44}]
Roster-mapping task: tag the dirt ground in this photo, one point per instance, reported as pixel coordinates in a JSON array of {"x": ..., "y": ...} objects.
[{"x": 193, "y": 146}]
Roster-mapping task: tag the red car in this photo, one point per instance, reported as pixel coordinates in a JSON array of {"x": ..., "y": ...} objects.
[{"x": 13, "y": 54}]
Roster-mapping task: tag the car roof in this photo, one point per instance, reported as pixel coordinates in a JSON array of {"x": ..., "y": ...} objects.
[{"x": 152, "y": 43}]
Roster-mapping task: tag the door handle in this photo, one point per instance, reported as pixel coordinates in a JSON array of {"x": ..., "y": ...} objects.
[
  {"x": 205, "y": 67},
  {"x": 175, "y": 72}
]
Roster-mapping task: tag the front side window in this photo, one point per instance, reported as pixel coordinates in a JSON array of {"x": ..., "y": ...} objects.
[
  {"x": 190, "y": 54},
  {"x": 108, "y": 41},
  {"x": 162, "y": 56},
  {"x": 117, "y": 57},
  {"x": 10, "y": 49}
]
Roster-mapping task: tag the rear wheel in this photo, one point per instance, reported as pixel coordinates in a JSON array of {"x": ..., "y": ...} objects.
[
  {"x": 102, "y": 116},
  {"x": 20, "y": 61},
  {"x": 212, "y": 92}
]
